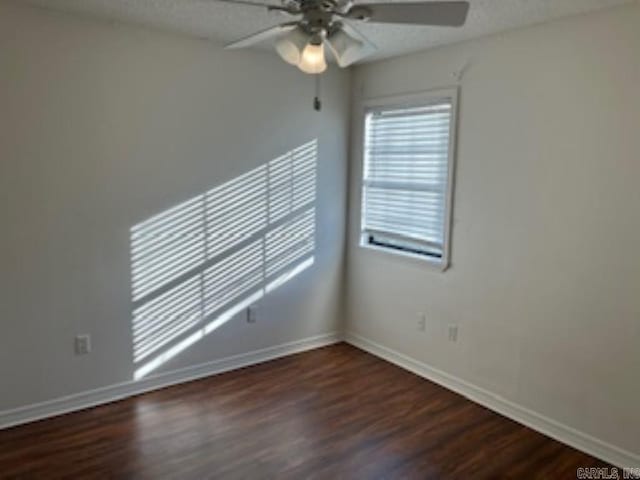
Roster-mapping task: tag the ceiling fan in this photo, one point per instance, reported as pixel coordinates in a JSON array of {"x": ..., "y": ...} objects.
[{"x": 301, "y": 41}]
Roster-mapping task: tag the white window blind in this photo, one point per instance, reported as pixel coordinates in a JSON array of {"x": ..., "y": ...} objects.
[{"x": 406, "y": 177}]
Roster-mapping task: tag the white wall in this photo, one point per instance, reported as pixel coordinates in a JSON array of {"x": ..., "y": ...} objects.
[
  {"x": 103, "y": 126},
  {"x": 545, "y": 276}
]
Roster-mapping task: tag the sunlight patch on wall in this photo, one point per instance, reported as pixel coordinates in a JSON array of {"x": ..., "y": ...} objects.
[
  {"x": 166, "y": 246},
  {"x": 197, "y": 265}
]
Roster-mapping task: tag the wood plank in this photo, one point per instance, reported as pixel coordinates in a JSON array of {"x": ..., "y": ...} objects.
[{"x": 335, "y": 412}]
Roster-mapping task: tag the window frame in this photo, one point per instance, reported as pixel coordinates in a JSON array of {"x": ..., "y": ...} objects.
[{"x": 427, "y": 97}]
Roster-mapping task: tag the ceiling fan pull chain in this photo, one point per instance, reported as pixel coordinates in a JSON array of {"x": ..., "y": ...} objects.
[{"x": 317, "y": 104}]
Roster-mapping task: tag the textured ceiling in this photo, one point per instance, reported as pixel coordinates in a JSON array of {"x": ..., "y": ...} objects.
[{"x": 223, "y": 22}]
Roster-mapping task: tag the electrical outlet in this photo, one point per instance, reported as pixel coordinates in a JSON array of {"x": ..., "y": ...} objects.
[
  {"x": 252, "y": 314},
  {"x": 422, "y": 322},
  {"x": 453, "y": 333},
  {"x": 83, "y": 344}
]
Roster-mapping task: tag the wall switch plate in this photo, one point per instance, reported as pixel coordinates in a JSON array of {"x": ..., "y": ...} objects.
[
  {"x": 453, "y": 333},
  {"x": 83, "y": 344},
  {"x": 252, "y": 314}
]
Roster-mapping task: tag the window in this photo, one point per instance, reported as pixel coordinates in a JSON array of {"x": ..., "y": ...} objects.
[{"x": 406, "y": 191}]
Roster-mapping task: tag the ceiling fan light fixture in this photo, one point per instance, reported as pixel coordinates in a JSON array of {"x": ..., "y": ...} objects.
[
  {"x": 291, "y": 45},
  {"x": 345, "y": 48},
  {"x": 301, "y": 41},
  {"x": 313, "y": 60}
]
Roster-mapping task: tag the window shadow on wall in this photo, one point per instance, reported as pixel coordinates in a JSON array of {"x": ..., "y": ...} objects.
[{"x": 196, "y": 265}]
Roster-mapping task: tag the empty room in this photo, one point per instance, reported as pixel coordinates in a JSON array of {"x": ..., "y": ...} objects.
[{"x": 319, "y": 239}]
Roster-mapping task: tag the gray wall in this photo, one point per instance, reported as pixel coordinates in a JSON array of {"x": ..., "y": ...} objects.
[
  {"x": 104, "y": 126},
  {"x": 545, "y": 275}
]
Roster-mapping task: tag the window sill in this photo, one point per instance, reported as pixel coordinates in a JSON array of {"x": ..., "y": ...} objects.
[{"x": 437, "y": 264}]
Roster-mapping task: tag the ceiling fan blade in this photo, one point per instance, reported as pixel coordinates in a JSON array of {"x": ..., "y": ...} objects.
[
  {"x": 451, "y": 14},
  {"x": 254, "y": 4},
  {"x": 261, "y": 36},
  {"x": 354, "y": 32}
]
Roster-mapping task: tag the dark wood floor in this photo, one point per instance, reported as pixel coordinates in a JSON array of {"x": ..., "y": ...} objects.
[{"x": 334, "y": 413}]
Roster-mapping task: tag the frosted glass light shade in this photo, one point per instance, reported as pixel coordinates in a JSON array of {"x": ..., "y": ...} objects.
[
  {"x": 291, "y": 45},
  {"x": 313, "y": 60},
  {"x": 345, "y": 48}
]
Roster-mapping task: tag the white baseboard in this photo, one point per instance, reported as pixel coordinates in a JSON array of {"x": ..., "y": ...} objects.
[
  {"x": 536, "y": 421},
  {"x": 547, "y": 426},
  {"x": 92, "y": 398}
]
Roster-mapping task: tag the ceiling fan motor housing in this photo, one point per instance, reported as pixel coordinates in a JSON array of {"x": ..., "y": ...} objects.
[{"x": 316, "y": 17}]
